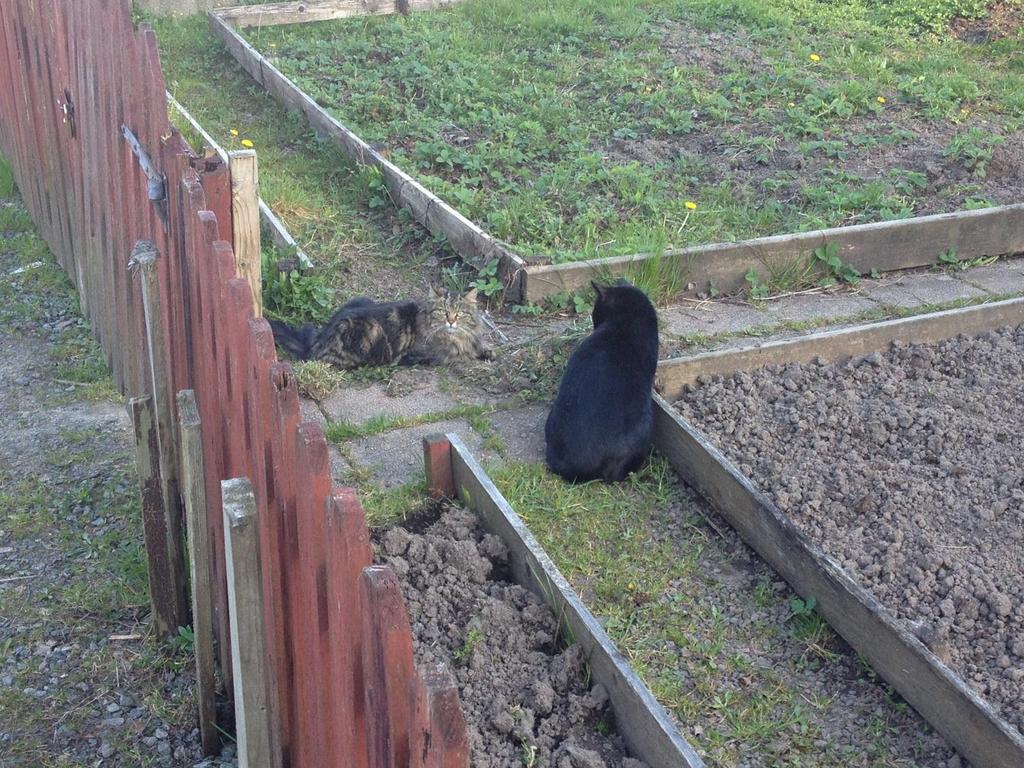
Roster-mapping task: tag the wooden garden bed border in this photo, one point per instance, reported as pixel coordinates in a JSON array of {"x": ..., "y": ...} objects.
[
  {"x": 453, "y": 472},
  {"x": 931, "y": 687},
  {"x": 885, "y": 246}
]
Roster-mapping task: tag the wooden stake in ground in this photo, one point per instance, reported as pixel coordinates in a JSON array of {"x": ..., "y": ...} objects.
[
  {"x": 255, "y": 718},
  {"x": 168, "y": 612},
  {"x": 194, "y": 492},
  {"x": 245, "y": 217},
  {"x": 144, "y": 258}
]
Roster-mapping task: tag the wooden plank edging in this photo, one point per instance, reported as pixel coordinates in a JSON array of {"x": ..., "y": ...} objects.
[
  {"x": 304, "y": 11},
  {"x": 643, "y": 723},
  {"x": 465, "y": 237},
  {"x": 674, "y": 375},
  {"x": 886, "y": 246}
]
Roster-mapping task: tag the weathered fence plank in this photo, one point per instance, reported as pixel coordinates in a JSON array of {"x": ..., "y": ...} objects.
[
  {"x": 194, "y": 493},
  {"x": 245, "y": 216},
  {"x": 348, "y": 552},
  {"x": 438, "y": 737},
  {"x": 387, "y": 667},
  {"x": 145, "y": 258},
  {"x": 254, "y": 707},
  {"x": 167, "y": 614}
]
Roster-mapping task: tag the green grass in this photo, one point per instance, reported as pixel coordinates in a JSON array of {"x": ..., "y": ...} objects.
[
  {"x": 7, "y": 186},
  {"x": 79, "y": 514},
  {"x": 687, "y": 633},
  {"x": 528, "y": 116},
  {"x": 310, "y": 185}
]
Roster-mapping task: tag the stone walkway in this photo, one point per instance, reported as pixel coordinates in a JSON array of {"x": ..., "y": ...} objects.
[{"x": 392, "y": 457}]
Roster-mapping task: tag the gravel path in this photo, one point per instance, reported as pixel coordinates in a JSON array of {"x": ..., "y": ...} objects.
[{"x": 908, "y": 467}]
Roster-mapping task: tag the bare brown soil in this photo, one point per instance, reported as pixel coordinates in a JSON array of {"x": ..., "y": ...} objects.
[
  {"x": 527, "y": 699},
  {"x": 908, "y": 467}
]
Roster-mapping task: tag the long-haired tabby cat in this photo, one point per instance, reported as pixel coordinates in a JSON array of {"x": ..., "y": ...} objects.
[
  {"x": 366, "y": 332},
  {"x": 601, "y": 423}
]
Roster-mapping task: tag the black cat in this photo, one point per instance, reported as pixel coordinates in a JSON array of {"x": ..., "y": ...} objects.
[{"x": 601, "y": 422}]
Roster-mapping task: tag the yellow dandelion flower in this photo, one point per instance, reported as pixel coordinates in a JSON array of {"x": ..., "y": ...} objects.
[
  {"x": 791, "y": 104},
  {"x": 880, "y": 99},
  {"x": 815, "y": 57},
  {"x": 247, "y": 144},
  {"x": 690, "y": 205},
  {"x": 234, "y": 131},
  {"x": 631, "y": 586}
]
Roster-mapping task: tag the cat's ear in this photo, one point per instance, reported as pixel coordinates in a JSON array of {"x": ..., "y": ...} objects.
[
  {"x": 436, "y": 293},
  {"x": 597, "y": 288},
  {"x": 470, "y": 296}
]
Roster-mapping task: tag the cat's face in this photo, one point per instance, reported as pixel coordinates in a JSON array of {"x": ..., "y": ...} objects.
[{"x": 452, "y": 313}]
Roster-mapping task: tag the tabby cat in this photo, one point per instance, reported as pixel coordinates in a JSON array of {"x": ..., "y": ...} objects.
[
  {"x": 601, "y": 423},
  {"x": 365, "y": 332}
]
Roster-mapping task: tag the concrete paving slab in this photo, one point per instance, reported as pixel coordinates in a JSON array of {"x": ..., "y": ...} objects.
[
  {"x": 711, "y": 317},
  {"x": 816, "y": 306},
  {"x": 522, "y": 432},
  {"x": 915, "y": 290},
  {"x": 396, "y": 457},
  {"x": 999, "y": 278},
  {"x": 359, "y": 404},
  {"x": 311, "y": 412}
]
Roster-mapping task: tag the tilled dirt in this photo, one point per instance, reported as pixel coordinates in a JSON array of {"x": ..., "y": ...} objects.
[
  {"x": 527, "y": 700},
  {"x": 908, "y": 467}
]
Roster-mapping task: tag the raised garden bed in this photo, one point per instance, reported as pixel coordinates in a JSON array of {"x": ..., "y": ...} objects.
[
  {"x": 599, "y": 143},
  {"x": 642, "y": 723},
  {"x": 524, "y": 686},
  {"x": 859, "y": 480}
]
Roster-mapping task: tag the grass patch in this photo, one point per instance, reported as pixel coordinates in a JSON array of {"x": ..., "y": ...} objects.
[
  {"x": 648, "y": 564},
  {"x": 582, "y": 129},
  {"x": 319, "y": 195},
  {"x": 316, "y": 379},
  {"x": 343, "y": 431},
  {"x": 7, "y": 185}
]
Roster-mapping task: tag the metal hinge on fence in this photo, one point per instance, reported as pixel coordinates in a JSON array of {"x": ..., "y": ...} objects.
[{"x": 156, "y": 181}]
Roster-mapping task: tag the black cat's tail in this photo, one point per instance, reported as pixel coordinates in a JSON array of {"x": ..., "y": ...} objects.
[{"x": 296, "y": 341}]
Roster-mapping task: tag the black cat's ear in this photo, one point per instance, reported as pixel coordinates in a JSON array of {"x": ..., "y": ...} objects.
[{"x": 597, "y": 288}]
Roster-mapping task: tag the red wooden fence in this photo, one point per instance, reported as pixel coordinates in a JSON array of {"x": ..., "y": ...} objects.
[{"x": 72, "y": 74}]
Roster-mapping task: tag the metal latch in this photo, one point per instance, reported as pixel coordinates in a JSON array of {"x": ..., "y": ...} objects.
[
  {"x": 156, "y": 182},
  {"x": 68, "y": 108}
]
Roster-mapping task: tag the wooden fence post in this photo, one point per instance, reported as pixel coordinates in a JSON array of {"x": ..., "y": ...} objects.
[
  {"x": 144, "y": 258},
  {"x": 388, "y": 667},
  {"x": 168, "y": 615},
  {"x": 194, "y": 492},
  {"x": 245, "y": 217},
  {"x": 437, "y": 460},
  {"x": 438, "y": 736},
  {"x": 255, "y": 720}
]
